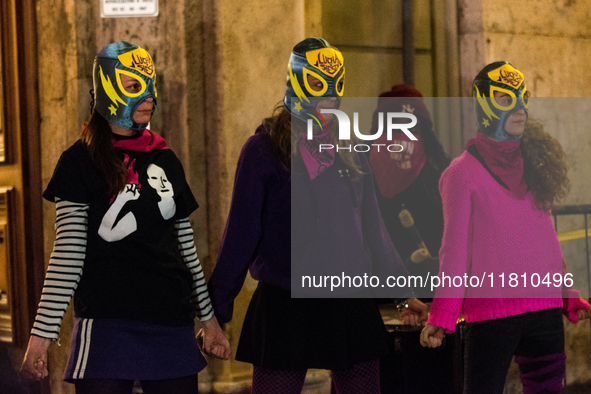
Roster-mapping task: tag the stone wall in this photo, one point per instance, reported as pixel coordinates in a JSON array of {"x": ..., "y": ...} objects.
[
  {"x": 221, "y": 69},
  {"x": 549, "y": 42}
]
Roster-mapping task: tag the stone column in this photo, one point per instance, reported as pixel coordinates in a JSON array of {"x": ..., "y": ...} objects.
[
  {"x": 472, "y": 58},
  {"x": 65, "y": 54},
  {"x": 246, "y": 49},
  {"x": 221, "y": 69}
]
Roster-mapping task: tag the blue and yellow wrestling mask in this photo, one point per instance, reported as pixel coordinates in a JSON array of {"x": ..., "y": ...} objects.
[
  {"x": 115, "y": 104},
  {"x": 491, "y": 113},
  {"x": 315, "y": 57}
]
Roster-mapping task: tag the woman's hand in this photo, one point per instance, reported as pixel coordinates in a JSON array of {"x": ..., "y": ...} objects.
[
  {"x": 584, "y": 314},
  {"x": 416, "y": 314},
  {"x": 432, "y": 336},
  {"x": 212, "y": 340},
  {"x": 34, "y": 365},
  {"x": 575, "y": 309}
]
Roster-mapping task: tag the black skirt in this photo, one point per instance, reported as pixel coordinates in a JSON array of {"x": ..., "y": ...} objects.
[{"x": 293, "y": 334}]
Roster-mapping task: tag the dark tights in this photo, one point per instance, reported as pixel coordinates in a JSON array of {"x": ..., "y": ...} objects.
[
  {"x": 535, "y": 338},
  {"x": 184, "y": 385},
  {"x": 363, "y": 378}
]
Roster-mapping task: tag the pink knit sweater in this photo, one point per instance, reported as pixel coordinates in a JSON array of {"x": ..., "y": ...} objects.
[{"x": 488, "y": 230}]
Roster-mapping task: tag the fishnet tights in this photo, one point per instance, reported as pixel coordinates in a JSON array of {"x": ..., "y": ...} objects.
[{"x": 363, "y": 378}]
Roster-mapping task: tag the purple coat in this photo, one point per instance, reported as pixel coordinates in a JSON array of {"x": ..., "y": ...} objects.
[{"x": 335, "y": 227}]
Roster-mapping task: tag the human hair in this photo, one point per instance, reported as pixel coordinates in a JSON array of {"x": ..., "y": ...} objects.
[
  {"x": 285, "y": 142},
  {"x": 437, "y": 162},
  {"x": 544, "y": 164},
  {"x": 434, "y": 152},
  {"x": 97, "y": 137},
  {"x": 278, "y": 125}
]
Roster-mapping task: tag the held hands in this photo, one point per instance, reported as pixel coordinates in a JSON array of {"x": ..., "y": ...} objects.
[
  {"x": 416, "y": 314},
  {"x": 584, "y": 314},
  {"x": 576, "y": 309},
  {"x": 34, "y": 365},
  {"x": 212, "y": 340},
  {"x": 432, "y": 336}
]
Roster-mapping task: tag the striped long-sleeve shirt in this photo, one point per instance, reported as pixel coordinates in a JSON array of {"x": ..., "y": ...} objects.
[{"x": 66, "y": 267}]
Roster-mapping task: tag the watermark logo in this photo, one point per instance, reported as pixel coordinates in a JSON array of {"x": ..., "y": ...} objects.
[{"x": 345, "y": 130}]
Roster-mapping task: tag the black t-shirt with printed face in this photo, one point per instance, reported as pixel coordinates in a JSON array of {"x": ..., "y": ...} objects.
[{"x": 133, "y": 267}]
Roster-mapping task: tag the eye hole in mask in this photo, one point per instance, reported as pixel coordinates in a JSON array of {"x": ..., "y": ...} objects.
[
  {"x": 525, "y": 97},
  {"x": 130, "y": 84},
  {"x": 341, "y": 84},
  {"x": 504, "y": 103},
  {"x": 309, "y": 88}
]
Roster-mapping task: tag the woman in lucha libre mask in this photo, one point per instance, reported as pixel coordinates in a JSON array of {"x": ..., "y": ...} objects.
[
  {"x": 124, "y": 248},
  {"x": 497, "y": 198},
  {"x": 286, "y": 189}
]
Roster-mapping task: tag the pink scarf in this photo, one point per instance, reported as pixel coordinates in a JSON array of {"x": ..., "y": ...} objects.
[
  {"x": 317, "y": 162},
  {"x": 504, "y": 160},
  {"x": 147, "y": 141}
]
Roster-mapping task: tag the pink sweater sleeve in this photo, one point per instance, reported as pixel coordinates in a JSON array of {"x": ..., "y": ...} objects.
[
  {"x": 455, "y": 253},
  {"x": 572, "y": 301}
]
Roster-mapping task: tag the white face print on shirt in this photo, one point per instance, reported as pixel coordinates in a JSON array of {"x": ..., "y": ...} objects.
[{"x": 159, "y": 182}]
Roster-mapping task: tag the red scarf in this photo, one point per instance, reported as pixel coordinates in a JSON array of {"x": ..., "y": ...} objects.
[
  {"x": 504, "y": 160},
  {"x": 394, "y": 172}
]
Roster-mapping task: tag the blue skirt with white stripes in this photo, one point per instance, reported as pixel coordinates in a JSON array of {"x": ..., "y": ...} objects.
[{"x": 131, "y": 350}]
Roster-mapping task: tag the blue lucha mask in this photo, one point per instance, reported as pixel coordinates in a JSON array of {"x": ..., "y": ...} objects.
[
  {"x": 315, "y": 57},
  {"x": 491, "y": 113},
  {"x": 112, "y": 101}
]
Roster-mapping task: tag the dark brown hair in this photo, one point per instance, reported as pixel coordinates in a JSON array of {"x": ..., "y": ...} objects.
[
  {"x": 278, "y": 125},
  {"x": 545, "y": 168},
  {"x": 97, "y": 137},
  {"x": 285, "y": 143},
  {"x": 437, "y": 162}
]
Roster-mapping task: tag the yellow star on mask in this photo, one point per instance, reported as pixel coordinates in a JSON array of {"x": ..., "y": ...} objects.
[
  {"x": 298, "y": 106},
  {"x": 113, "y": 110},
  {"x": 485, "y": 122}
]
